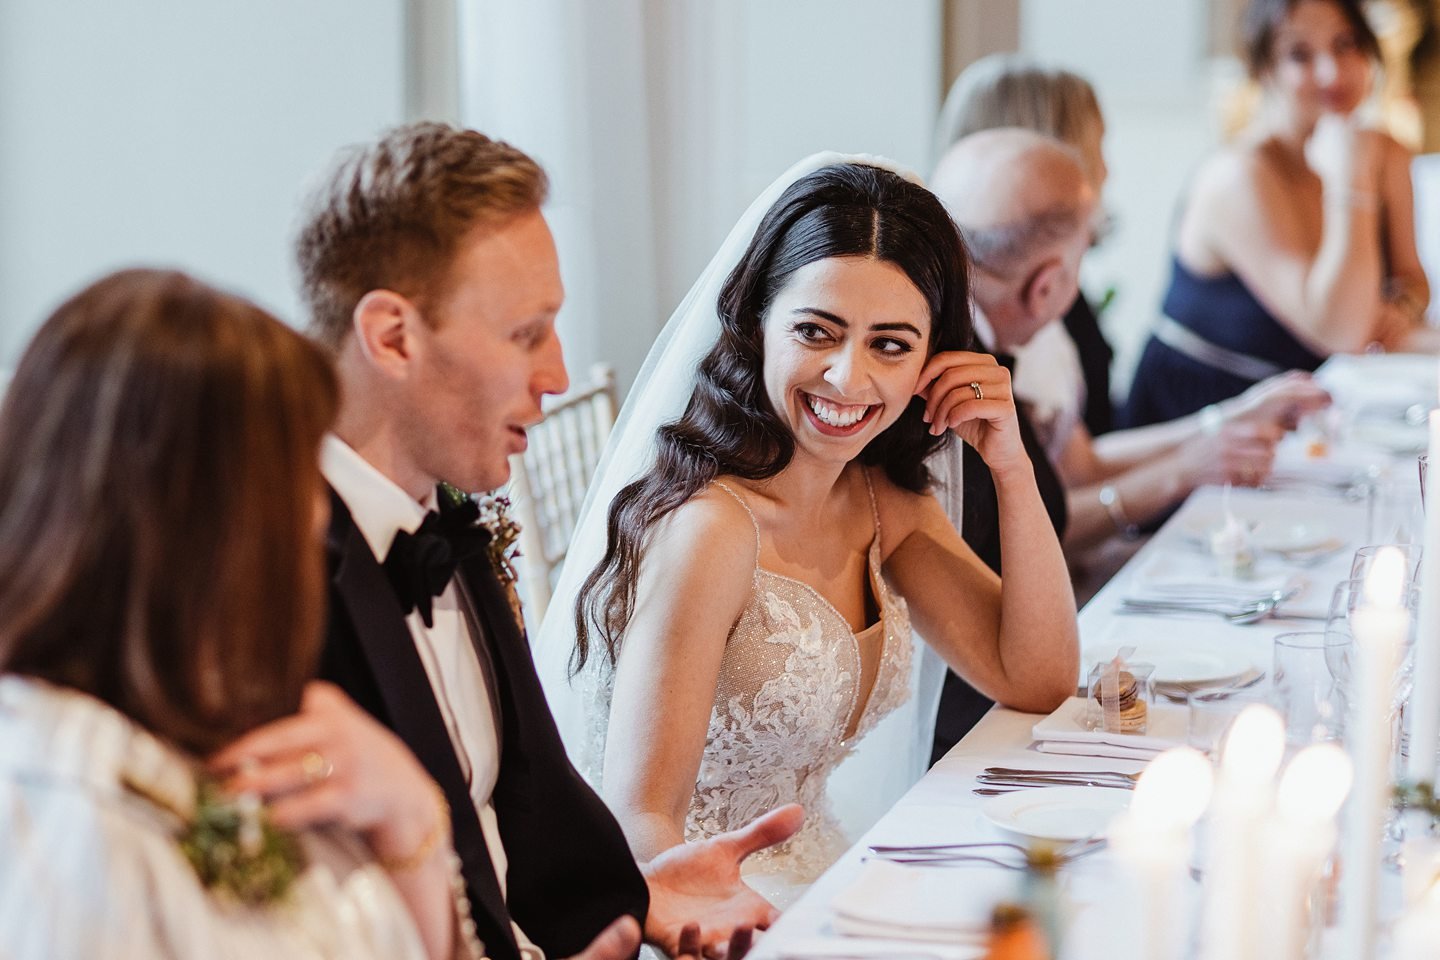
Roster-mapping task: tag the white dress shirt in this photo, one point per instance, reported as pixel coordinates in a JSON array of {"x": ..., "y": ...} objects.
[
  {"x": 1048, "y": 379},
  {"x": 380, "y": 508}
]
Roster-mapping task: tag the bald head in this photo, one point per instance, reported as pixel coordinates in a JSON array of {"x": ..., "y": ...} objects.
[{"x": 1016, "y": 195}]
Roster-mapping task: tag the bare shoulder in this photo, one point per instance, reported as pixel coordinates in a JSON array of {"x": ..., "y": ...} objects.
[
  {"x": 1236, "y": 171},
  {"x": 1395, "y": 156},
  {"x": 902, "y": 511},
  {"x": 710, "y": 535}
]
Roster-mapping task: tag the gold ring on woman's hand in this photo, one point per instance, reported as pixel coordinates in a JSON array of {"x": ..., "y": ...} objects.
[
  {"x": 316, "y": 767},
  {"x": 975, "y": 385}
]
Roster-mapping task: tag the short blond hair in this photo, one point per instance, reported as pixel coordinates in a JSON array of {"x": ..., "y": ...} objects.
[
  {"x": 393, "y": 213},
  {"x": 1011, "y": 90}
]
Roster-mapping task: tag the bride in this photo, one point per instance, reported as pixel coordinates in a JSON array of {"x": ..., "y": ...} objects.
[{"x": 747, "y": 599}]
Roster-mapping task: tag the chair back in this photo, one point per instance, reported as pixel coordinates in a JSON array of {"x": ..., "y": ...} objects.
[{"x": 549, "y": 480}]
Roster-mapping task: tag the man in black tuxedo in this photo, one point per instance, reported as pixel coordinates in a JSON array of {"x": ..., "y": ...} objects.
[{"x": 431, "y": 274}]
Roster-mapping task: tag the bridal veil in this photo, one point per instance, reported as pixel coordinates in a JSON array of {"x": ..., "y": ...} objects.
[{"x": 894, "y": 755}]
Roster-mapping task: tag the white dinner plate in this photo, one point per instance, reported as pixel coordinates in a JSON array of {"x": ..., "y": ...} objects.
[
  {"x": 1294, "y": 536},
  {"x": 1176, "y": 664},
  {"x": 1282, "y": 535},
  {"x": 1057, "y": 813},
  {"x": 1391, "y": 436}
]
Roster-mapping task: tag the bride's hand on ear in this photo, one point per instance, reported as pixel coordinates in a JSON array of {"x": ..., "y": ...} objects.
[{"x": 970, "y": 394}]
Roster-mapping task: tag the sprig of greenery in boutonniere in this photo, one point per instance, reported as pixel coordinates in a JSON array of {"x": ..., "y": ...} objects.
[
  {"x": 231, "y": 844},
  {"x": 493, "y": 513}
]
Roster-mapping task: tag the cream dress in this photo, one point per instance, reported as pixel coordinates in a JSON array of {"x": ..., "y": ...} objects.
[{"x": 788, "y": 693}]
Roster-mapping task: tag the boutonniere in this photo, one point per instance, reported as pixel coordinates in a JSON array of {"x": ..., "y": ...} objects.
[
  {"x": 504, "y": 546},
  {"x": 231, "y": 844}
]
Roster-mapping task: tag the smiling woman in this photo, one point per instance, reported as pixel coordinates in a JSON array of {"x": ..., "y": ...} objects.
[
  {"x": 748, "y": 621},
  {"x": 844, "y": 365}
]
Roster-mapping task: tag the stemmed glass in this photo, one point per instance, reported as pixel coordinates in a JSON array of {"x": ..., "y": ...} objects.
[
  {"x": 1340, "y": 640},
  {"x": 1340, "y": 656},
  {"x": 1394, "y": 511},
  {"x": 1306, "y": 689},
  {"x": 1365, "y": 557}
]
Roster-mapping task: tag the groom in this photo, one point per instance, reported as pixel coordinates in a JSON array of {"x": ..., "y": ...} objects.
[{"x": 432, "y": 277}]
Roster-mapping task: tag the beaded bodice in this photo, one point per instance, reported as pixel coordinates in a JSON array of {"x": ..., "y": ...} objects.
[{"x": 790, "y": 687}]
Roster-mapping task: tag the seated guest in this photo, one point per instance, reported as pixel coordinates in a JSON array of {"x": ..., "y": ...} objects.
[
  {"x": 1010, "y": 90},
  {"x": 161, "y": 596},
  {"x": 1297, "y": 241},
  {"x": 432, "y": 277},
  {"x": 765, "y": 530},
  {"x": 1024, "y": 203}
]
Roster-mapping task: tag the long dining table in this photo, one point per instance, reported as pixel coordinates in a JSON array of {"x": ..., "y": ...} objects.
[{"x": 1322, "y": 498}]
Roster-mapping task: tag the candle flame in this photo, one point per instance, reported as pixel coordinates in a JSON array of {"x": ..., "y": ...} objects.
[
  {"x": 1254, "y": 745},
  {"x": 1175, "y": 789},
  {"x": 1386, "y": 579},
  {"x": 1315, "y": 784}
]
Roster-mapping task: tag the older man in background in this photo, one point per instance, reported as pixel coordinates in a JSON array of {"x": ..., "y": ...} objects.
[{"x": 1026, "y": 209}]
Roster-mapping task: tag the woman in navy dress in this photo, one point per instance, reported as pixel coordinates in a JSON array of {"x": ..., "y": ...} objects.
[{"x": 1296, "y": 242}]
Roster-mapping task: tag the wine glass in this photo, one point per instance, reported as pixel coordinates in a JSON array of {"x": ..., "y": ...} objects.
[
  {"x": 1365, "y": 558},
  {"x": 1306, "y": 689}
]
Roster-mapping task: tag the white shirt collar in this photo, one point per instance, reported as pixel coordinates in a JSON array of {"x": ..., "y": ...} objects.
[{"x": 378, "y": 505}]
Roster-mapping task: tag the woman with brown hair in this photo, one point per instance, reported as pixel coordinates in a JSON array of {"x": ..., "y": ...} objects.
[
  {"x": 161, "y": 577},
  {"x": 1298, "y": 240}
]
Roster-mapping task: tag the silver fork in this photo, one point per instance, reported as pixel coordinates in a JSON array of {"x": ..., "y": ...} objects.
[
  {"x": 1023, "y": 772},
  {"x": 1239, "y": 615},
  {"x": 941, "y": 847},
  {"x": 1023, "y": 782},
  {"x": 936, "y": 855}
]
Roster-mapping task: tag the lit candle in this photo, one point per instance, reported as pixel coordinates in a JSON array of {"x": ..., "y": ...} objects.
[
  {"x": 1243, "y": 796},
  {"x": 1311, "y": 791},
  {"x": 1380, "y": 624},
  {"x": 1425, "y": 700},
  {"x": 1151, "y": 846}
]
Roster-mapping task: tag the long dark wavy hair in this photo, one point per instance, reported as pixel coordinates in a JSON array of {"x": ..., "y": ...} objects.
[{"x": 729, "y": 426}]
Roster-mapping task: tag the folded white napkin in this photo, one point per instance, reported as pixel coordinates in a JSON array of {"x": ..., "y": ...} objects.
[
  {"x": 1168, "y": 726},
  {"x": 950, "y": 904},
  {"x": 1105, "y": 750}
]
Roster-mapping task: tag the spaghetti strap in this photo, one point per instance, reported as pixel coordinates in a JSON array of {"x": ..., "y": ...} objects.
[
  {"x": 753, "y": 522},
  {"x": 874, "y": 508}
]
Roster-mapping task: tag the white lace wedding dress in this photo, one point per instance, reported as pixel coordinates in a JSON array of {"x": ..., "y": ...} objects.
[
  {"x": 790, "y": 687},
  {"x": 789, "y": 707}
]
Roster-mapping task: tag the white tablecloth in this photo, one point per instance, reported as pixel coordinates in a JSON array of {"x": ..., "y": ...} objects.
[{"x": 942, "y": 809}]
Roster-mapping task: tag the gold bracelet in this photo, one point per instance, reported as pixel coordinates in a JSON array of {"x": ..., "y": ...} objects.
[{"x": 415, "y": 860}]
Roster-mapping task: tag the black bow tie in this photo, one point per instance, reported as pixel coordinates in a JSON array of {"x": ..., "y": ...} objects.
[{"x": 420, "y": 564}]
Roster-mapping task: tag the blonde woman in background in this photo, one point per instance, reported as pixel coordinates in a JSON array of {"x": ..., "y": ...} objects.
[{"x": 1010, "y": 90}]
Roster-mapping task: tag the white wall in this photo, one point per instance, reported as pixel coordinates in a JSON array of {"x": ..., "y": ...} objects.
[
  {"x": 660, "y": 120},
  {"x": 754, "y": 86},
  {"x": 176, "y": 133}
]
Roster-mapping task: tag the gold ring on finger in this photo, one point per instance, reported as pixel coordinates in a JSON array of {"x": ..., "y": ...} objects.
[
  {"x": 975, "y": 385},
  {"x": 316, "y": 767}
]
